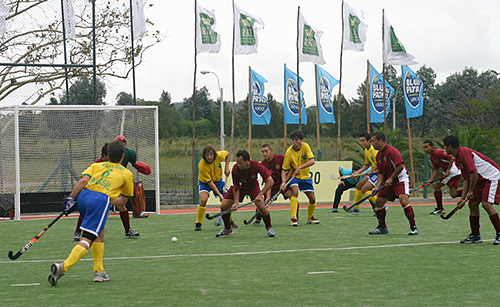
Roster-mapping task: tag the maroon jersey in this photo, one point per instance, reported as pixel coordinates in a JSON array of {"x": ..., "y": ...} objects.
[
  {"x": 440, "y": 159},
  {"x": 387, "y": 161},
  {"x": 274, "y": 166},
  {"x": 247, "y": 179},
  {"x": 470, "y": 161}
]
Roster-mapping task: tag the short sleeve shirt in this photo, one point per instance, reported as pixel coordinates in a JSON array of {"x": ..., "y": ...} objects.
[
  {"x": 387, "y": 161},
  {"x": 212, "y": 171},
  {"x": 470, "y": 161},
  {"x": 110, "y": 178},
  {"x": 247, "y": 179},
  {"x": 371, "y": 157},
  {"x": 295, "y": 158},
  {"x": 440, "y": 159},
  {"x": 274, "y": 166}
]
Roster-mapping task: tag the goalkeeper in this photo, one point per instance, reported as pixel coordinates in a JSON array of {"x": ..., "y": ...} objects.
[{"x": 101, "y": 184}]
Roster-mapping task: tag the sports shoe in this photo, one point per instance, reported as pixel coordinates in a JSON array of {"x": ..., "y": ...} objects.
[
  {"x": 413, "y": 231},
  {"x": 472, "y": 239},
  {"x": 233, "y": 225},
  {"x": 256, "y": 222},
  {"x": 224, "y": 233},
  {"x": 98, "y": 276},
  {"x": 335, "y": 210},
  {"x": 354, "y": 211},
  {"x": 271, "y": 232},
  {"x": 437, "y": 211},
  {"x": 141, "y": 215},
  {"x": 76, "y": 236},
  {"x": 379, "y": 231},
  {"x": 56, "y": 273},
  {"x": 132, "y": 234},
  {"x": 197, "y": 227},
  {"x": 295, "y": 222},
  {"x": 312, "y": 220},
  {"x": 497, "y": 240}
]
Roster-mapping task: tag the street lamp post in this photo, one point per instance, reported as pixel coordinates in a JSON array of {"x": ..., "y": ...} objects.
[{"x": 204, "y": 72}]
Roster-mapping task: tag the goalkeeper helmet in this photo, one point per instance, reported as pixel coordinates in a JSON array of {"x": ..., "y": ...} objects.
[{"x": 121, "y": 138}]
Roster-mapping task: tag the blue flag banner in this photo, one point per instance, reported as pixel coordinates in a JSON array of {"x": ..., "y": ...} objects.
[
  {"x": 377, "y": 98},
  {"x": 291, "y": 99},
  {"x": 325, "y": 84},
  {"x": 261, "y": 115},
  {"x": 413, "y": 89}
]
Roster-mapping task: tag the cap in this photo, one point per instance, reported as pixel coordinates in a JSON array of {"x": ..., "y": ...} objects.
[{"x": 121, "y": 138}]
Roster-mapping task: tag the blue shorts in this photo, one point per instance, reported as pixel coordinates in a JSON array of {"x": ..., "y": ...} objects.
[
  {"x": 205, "y": 187},
  {"x": 372, "y": 178},
  {"x": 94, "y": 208},
  {"x": 304, "y": 185}
]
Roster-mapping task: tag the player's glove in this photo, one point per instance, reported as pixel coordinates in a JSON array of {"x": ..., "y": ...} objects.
[{"x": 68, "y": 205}]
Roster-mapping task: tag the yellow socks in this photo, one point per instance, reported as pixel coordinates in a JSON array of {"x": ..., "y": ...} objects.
[
  {"x": 294, "y": 205},
  {"x": 77, "y": 253},
  {"x": 200, "y": 213},
  {"x": 373, "y": 198},
  {"x": 310, "y": 210},
  {"x": 98, "y": 253},
  {"x": 358, "y": 194}
]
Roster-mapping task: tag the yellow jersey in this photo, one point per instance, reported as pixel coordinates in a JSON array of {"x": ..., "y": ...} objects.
[
  {"x": 110, "y": 178},
  {"x": 212, "y": 171},
  {"x": 295, "y": 158},
  {"x": 371, "y": 157}
]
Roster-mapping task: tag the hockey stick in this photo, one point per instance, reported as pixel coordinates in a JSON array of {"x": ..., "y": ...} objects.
[
  {"x": 348, "y": 209},
  {"x": 208, "y": 217},
  {"x": 425, "y": 185},
  {"x": 32, "y": 241},
  {"x": 458, "y": 207},
  {"x": 269, "y": 202},
  {"x": 342, "y": 177}
]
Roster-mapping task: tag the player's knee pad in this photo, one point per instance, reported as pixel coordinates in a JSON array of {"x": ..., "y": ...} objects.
[{"x": 88, "y": 235}]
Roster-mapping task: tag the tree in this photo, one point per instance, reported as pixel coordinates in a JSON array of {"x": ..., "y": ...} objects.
[
  {"x": 34, "y": 35},
  {"x": 206, "y": 108},
  {"x": 124, "y": 99},
  {"x": 82, "y": 93}
]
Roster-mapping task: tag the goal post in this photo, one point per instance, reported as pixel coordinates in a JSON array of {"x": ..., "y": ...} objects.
[{"x": 44, "y": 149}]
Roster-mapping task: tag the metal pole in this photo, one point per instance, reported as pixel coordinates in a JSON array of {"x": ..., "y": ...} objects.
[
  {"x": 94, "y": 62},
  {"x": 133, "y": 52},
  {"x": 222, "y": 136}
]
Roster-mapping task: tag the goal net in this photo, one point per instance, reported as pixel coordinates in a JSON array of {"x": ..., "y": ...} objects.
[{"x": 44, "y": 149}]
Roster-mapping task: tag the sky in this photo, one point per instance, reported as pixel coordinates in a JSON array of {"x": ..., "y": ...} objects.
[{"x": 446, "y": 35}]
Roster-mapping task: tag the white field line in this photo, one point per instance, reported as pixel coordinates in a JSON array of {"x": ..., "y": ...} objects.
[
  {"x": 247, "y": 253},
  {"x": 320, "y": 272},
  {"x": 23, "y": 285}
]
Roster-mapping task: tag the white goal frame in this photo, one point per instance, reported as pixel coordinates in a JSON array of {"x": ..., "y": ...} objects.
[{"x": 13, "y": 121}]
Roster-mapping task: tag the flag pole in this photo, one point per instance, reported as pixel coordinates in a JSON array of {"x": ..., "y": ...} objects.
[
  {"x": 249, "y": 111},
  {"x": 368, "y": 94},
  {"x": 383, "y": 74},
  {"x": 234, "y": 99},
  {"x": 339, "y": 140},
  {"x": 298, "y": 73},
  {"x": 285, "y": 122},
  {"x": 193, "y": 99},
  {"x": 411, "y": 155},
  {"x": 317, "y": 107}
]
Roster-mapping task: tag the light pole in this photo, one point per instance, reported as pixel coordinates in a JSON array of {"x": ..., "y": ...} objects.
[{"x": 204, "y": 72}]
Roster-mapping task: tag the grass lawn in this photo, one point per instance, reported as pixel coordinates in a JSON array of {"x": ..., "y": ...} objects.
[{"x": 333, "y": 263}]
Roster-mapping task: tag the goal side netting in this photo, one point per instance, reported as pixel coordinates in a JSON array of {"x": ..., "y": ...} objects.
[{"x": 44, "y": 150}]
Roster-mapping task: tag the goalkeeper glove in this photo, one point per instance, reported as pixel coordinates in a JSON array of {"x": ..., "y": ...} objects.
[{"x": 68, "y": 205}]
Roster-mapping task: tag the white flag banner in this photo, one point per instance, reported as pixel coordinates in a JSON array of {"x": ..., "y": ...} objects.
[
  {"x": 207, "y": 40},
  {"x": 4, "y": 11},
  {"x": 354, "y": 29},
  {"x": 393, "y": 50},
  {"x": 309, "y": 42},
  {"x": 139, "y": 19},
  {"x": 246, "y": 26},
  {"x": 69, "y": 19}
]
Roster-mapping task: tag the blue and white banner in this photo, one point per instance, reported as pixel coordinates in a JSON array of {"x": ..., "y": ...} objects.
[
  {"x": 324, "y": 87},
  {"x": 377, "y": 96},
  {"x": 413, "y": 90},
  {"x": 291, "y": 99},
  {"x": 261, "y": 115}
]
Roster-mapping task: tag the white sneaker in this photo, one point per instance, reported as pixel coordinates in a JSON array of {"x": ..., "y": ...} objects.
[
  {"x": 56, "y": 273},
  {"x": 99, "y": 277}
]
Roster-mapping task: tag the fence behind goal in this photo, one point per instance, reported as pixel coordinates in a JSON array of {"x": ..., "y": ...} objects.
[{"x": 44, "y": 150}]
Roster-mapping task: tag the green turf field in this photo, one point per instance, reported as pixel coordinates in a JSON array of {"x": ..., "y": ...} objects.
[{"x": 333, "y": 263}]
